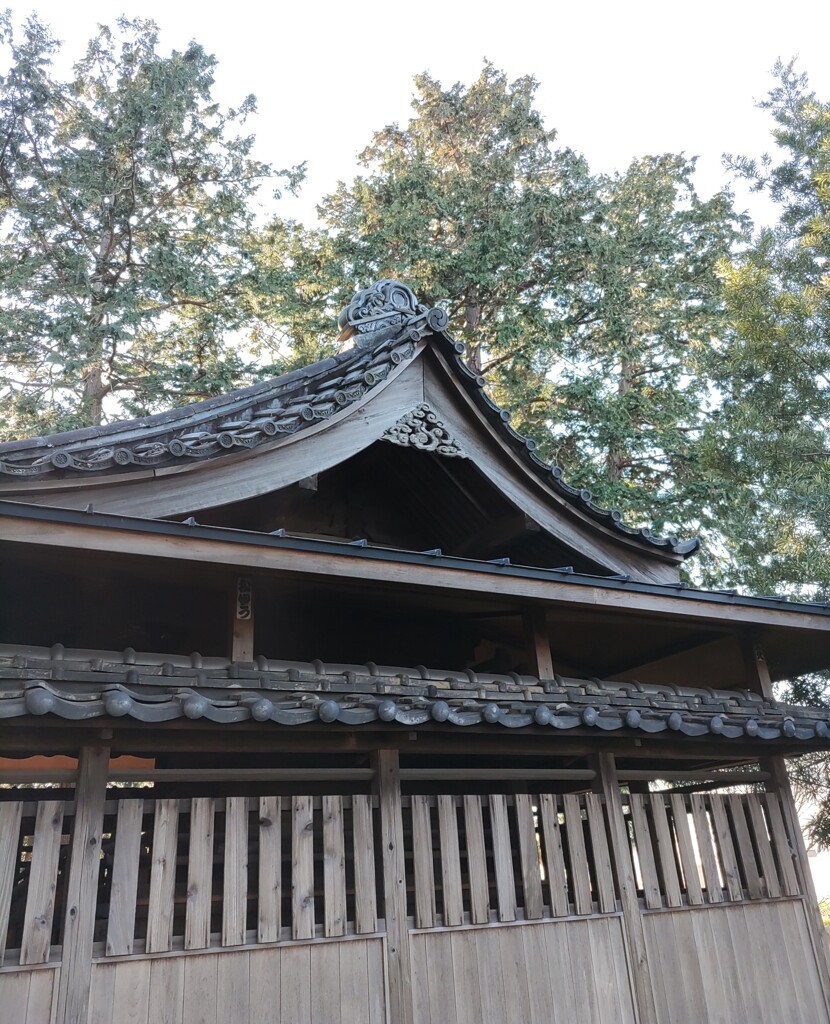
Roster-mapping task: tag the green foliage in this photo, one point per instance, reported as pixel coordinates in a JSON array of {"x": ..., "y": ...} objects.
[
  {"x": 774, "y": 370},
  {"x": 586, "y": 301},
  {"x": 125, "y": 217}
]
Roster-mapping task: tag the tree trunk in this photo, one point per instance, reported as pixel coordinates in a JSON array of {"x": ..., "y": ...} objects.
[
  {"x": 615, "y": 461},
  {"x": 472, "y": 315}
]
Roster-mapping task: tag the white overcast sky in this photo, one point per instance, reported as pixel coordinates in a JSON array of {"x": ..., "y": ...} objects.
[{"x": 617, "y": 79}]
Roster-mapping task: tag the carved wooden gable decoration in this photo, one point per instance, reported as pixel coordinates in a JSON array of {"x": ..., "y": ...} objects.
[{"x": 395, "y": 439}]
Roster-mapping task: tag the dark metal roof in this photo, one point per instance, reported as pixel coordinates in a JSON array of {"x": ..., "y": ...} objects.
[
  {"x": 361, "y": 549},
  {"x": 387, "y": 322},
  {"x": 78, "y": 685}
]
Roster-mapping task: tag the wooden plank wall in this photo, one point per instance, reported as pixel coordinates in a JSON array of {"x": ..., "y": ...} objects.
[
  {"x": 336, "y": 982},
  {"x": 563, "y": 972},
  {"x": 28, "y": 996},
  {"x": 735, "y": 963}
]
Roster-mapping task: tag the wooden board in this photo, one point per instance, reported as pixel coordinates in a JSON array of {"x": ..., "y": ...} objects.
[
  {"x": 43, "y": 877},
  {"x": 450, "y": 861},
  {"x": 502, "y": 857},
  {"x": 784, "y": 853},
  {"x": 529, "y": 854},
  {"x": 665, "y": 850},
  {"x": 600, "y": 854},
  {"x": 686, "y": 850},
  {"x": 302, "y": 867},
  {"x": 124, "y": 888},
  {"x": 235, "y": 889},
  {"x": 577, "y": 855},
  {"x": 726, "y": 849},
  {"x": 334, "y": 866},
  {"x": 269, "y": 915},
  {"x": 366, "y": 912},
  {"x": 554, "y": 855},
  {"x": 199, "y": 874},
  {"x": 763, "y": 845},
  {"x": 166, "y": 1001},
  {"x": 10, "y": 815},
  {"x": 708, "y": 859},
  {"x": 162, "y": 876},
  {"x": 422, "y": 862},
  {"x": 476, "y": 861},
  {"x": 735, "y": 806}
]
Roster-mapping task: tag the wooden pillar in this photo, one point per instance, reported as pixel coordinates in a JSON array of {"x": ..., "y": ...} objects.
[
  {"x": 398, "y": 965},
  {"x": 643, "y": 991},
  {"x": 780, "y": 784},
  {"x": 538, "y": 640},
  {"x": 241, "y": 640},
  {"x": 82, "y": 887}
]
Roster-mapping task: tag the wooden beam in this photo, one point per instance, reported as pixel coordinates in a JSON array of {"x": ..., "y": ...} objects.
[
  {"x": 265, "y": 557},
  {"x": 538, "y": 641},
  {"x": 757, "y": 670},
  {"x": 242, "y": 620},
  {"x": 82, "y": 887},
  {"x": 398, "y": 961},
  {"x": 780, "y": 785},
  {"x": 642, "y": 988}
]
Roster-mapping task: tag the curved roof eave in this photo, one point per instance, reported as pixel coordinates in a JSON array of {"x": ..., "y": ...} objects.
[{"x": 387, "y": 322}]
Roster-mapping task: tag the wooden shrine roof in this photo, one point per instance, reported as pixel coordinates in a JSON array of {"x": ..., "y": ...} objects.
[
  {"x": 390, "y": 330},
  {"x": 152, "y": 688}
]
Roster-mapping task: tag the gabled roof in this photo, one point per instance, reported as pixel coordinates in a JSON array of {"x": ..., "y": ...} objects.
[{"x": 391, "y": 330}]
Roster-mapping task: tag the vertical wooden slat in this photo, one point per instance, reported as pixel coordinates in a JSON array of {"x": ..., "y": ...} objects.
[
  {"x": 43, "y": 879},
  {"x": 784, "y": 852},
  {"x": 422, "y": 862},
  {"x": 602, "y": 858},
  {"x": 269, "y": 910},
  {"x": 366, "y": 910},
  {"x": 302, "y": 867},
  {"x": 334, "y": 866},
  {"x": 735, "y": 806},
  {"x": 645, "y": 852},
  {"x": 554, "y": 855},
  {"x": 764, "y": 847},
  {"x": 124, "y": 888},
  {"x": 235, "y": 889},
  {"x": 726, "y": 848},
  {"x": 162, "y": 876},
  {"x": 502, "y": 857},
  {"x": 450, "y": 861},
  {"x": 643, "y": 988},
  {"x": 529, "y": 852},
  {"x": 577, "y": 855},
  {"x": 688, "y": 861},
  {"x": 72, "y": 1004},
  {"x": 199, "y": 874},
  {"x": 708, "y": 860},
  {"x": 476, "y": 860},
  {"x": 10, "y": 815},
  {"x": 665, "y": 850},
  {"x": 398, "y": 959}
]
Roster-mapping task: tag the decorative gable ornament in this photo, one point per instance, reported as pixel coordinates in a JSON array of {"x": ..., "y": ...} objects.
[
  {"x": 385, "y": 309},
  {"x": 422, "y": 429}
]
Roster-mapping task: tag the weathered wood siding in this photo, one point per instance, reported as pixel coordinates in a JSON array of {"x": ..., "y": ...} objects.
[
  {"x": 28, "y": 996},
  {"x": 338, "y": 982},
  {"x": 734, "y": 964},
  {"x": 564, "y": 972}
]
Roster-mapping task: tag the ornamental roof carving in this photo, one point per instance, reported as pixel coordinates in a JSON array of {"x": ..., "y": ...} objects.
[{"x": 388, "y": 327}]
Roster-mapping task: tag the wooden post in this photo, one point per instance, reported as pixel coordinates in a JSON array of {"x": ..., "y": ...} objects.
[
  {"x": 82, "y": 887},
  {"x": 780, "y": 784},
  {"x": 536, "y": 629},
  {"x": 643, "y": 991},
  {"x": 398, "y": 963},
  {"x": 242, "y": 620},
  {"x": 757, "y": 670}
]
